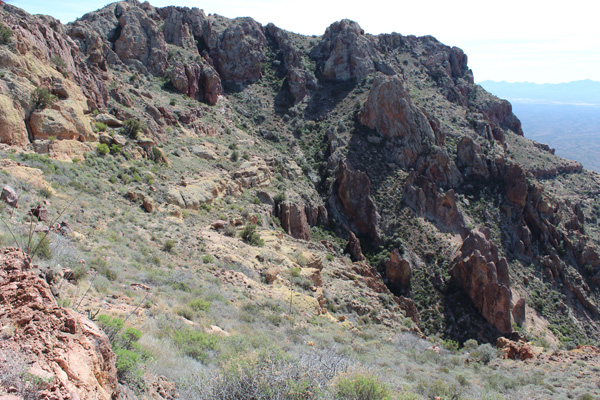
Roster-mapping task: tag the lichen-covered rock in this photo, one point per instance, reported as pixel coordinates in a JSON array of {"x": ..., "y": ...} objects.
[
  {"x": 344, "y": 53},
  {"x": 237, "y": 49}
]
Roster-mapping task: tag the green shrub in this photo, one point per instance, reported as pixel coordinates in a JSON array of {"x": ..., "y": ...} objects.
[
  {"x": 5, "y": 34},
  {"x": 169, "y": 246},
  {"x": 250, "y": 236},
  {"x": 279, "y": 198},
  {"x": 235, "y": 155},
  {"x": 115, "y": 149},
  {"x": 102, "y": 149},
  {"x": 101, "y": 126},
  {"x": 42, "y": 97},
  {"x": 195, "y": 344},
  {"x": 208, "y": 259},
  {"x": 132, "y": 128},
  {"x": 361, "y": 387},
  {"x": 199, "y": 305}
]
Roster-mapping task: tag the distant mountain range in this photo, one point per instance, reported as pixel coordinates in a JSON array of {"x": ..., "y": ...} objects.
[
  {"x": 566, "y": 116},
  {"x": 586, "y": 92}
]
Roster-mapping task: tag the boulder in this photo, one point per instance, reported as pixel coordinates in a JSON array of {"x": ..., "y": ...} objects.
[
  {"x": 9, "y": 195},
  {"x": 109, "y": 120},
  {"x": 353, "y": 248},
  {"x": 141, "y": 43},
  {"x": 390, "y": 110},
  {"x": 198, "y": 81},
  {"x": 63, "y": 120},
  {"x": 12, "y": 124}
]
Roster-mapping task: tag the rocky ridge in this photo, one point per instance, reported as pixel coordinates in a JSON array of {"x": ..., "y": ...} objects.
[{"x": 385, "y": 141}]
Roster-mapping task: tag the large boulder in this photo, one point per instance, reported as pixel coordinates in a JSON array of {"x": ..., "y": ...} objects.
[
  {"x": 398, "y": 272},
  {"x": 390, "y": 110},
  {"x": 344, "y": 53},
  {"x": 12, "y": 124}
]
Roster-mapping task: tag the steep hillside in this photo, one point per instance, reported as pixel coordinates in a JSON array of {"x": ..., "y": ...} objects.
[{"x": 225, "y": 197}]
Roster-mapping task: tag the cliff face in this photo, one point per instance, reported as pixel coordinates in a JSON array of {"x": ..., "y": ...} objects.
[{"x": 391, "y": 132}]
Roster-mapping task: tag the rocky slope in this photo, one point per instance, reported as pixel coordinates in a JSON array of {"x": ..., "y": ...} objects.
[{"x": 379, "y": 145}]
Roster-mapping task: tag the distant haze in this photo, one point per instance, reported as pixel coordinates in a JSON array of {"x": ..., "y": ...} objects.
[
  {"x": 512, "y": 40},
  {"x": 565, "y": 116}
]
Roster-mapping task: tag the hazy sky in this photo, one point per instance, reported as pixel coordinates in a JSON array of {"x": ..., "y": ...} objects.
[{"x": 512, "y": 40}]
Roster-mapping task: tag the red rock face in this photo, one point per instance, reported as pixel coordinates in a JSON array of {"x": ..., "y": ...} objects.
[
  {"x": 484, "y": 276},
  {"x": 63, "y": 342},
  {"x": 353, "y": 248},
  {"x": 398, "y": 272},
  {"x": 354, "y": 195},
  {"x": 293, "y": 219},
  {"x": 199, "y": 81}
]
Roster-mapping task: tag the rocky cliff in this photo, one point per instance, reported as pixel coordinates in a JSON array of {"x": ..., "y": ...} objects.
[{"x": 381, "y": 142}]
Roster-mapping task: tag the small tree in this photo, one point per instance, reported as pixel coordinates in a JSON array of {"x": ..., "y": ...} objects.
[
  {"x": 42, "y": 97},
  {"x": 250, "y": 236}
]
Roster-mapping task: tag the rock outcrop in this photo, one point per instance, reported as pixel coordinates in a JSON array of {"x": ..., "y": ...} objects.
[
  {"x": 237, "y": 49},
  {"x": 483, "y": 275},
  {"x": 353, "y": 192},
  {"x": 199, "y": 81},
  {"x": 344, "y": 52},
  {"x": 390, "y": 110},
  {"x": 293, "y": 219},
  {"x": 398, "y": 272},
  {"x": 62, "y": 343}
]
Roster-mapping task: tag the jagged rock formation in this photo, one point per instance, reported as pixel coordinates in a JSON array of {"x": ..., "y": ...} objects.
[
  {"x": 68, "y": 349},
  {"x": 390, "y": 132}
]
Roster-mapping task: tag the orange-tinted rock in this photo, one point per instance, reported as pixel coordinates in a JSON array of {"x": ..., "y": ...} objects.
[
  {"x": 293, "y": 219},
  {"x": 398, "y": 272},
  {"x": 61, "y": 341},
  {"x": 484, "y": 277}
]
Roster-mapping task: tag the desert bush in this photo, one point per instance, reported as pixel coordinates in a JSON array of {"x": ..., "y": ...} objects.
[
  {"x": 102, "y": 149},
  {"x": 274, "y": 375},
  {"x": 361, "y": 387},
  {"x": 13, "y": 374},
  {"x": 132, "y": 128},
  {"x": 207, "y": 259},
  {"x": 485, "y": 353},
  {"x": 42, "y": 97},
  {"x": 250, "y": 236},
  {"x": 169, "y": 246},
  {"x": 127, "y": 349},
  {"x": 194, "y": 344},
  {"x": 115, "y": 149},
  {"x": 199, "y": 305},
  {"x": 5, "y": 34},
  {"x": 101, "y": 126}
]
